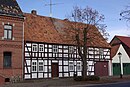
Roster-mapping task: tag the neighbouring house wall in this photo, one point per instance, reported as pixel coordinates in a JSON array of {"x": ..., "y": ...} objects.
[
  {"x": 124, "y": 59},
  {"x": 13, "y": 45}
]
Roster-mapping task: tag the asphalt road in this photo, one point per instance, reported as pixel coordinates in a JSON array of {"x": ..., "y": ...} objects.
[{"x": 120, "y": 84}]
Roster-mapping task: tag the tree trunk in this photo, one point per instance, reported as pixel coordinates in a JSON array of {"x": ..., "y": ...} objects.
[
  {"x": 83, "y": 54},
  {"x": 84, "y": 72},
  {"x": 84, "y": 68}
]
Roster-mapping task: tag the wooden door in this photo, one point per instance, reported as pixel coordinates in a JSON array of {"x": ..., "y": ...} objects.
[
  {"x": 101, "y": 68},
  {"x": 55, "y": 70}
]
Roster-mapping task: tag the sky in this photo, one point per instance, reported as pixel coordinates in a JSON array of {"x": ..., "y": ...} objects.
[{"x": 109, "y": 8}]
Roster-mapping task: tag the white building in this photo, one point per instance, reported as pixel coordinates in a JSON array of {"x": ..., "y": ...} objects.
[{"x": 120, "y": 44}]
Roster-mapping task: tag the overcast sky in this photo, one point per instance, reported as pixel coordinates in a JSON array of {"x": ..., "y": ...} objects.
[{"x": 109, "y": 8}]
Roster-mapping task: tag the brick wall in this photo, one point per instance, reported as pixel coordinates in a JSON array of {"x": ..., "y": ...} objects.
[
  {"x": 2, "y": 80},
  {"x": 14, "y": 46}
]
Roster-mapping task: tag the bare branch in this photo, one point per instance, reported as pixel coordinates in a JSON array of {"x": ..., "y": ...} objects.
[
  {"x": 125, "y": 14},
  {"x": 91, "y": 18}
]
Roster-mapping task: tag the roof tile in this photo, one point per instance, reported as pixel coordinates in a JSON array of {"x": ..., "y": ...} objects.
[
  {"x": 10, "y": 7},
  {"x": 52, "y": 30},
  {"x": 125, "y": 40}
]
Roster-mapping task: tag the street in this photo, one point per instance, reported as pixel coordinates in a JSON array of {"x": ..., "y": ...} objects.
[
  {"x": 69, "y": 82},
  {"x": 119, "y": 84}
]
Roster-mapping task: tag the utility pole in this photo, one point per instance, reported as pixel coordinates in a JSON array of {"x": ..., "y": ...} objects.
[{"x": 51, "y": 4}]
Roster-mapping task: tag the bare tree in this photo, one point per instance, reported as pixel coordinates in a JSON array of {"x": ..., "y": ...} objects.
[
  {"x": 125, "y": 14},
  {"x": 91, "y": 18}
]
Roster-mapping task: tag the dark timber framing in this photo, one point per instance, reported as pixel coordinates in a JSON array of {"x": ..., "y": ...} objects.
[{"x": 66, "y": 57}]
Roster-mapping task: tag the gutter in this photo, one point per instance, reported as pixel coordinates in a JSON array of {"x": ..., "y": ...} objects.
[{"x": 23, "y": 52}]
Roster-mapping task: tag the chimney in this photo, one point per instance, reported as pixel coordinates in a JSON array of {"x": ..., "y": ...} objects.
[
  {"x": 66, "y": 19},
  {"x": 34, "y": 12}
]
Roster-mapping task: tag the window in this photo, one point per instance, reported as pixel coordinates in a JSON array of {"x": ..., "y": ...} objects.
[
  {"x": 96, "y": 51},
  {"x": 41, "y": 48},
  {"x": 55, "y": 49},
  {"x": 71, "y": 49},
  {"x": 7, "y": 59},
  {"x": 79, "y": 66},
  {"x": 71, "y": 66},
  {"x": 37, "y": 66},
  {"x": 41, "y": 66},
  {"x": 7, "y": 31},
  {"x": 34, "y": 66},
  {"x": 101, "y": 53},
  {"x": 34, "y": 48}
]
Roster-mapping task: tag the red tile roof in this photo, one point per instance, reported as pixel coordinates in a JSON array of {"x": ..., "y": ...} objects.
[
  {"x": 114, "y": 50},
  {"x": 125, "y": 40},
  {"x": 52, "y": 30},
  {"x": 116, "y": 41}
]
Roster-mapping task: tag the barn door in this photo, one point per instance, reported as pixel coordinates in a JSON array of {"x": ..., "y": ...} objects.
[
  {"x": 126, "y": 68},
  {"x": 55, "y": 70},
  {"x": 101, "y": 68},
  {"x": 116, "y": 69}
]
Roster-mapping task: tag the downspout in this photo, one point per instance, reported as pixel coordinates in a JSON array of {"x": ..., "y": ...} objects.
[
  {"x": 23, "y": 51},
  {"x": 110, "y": 65}
]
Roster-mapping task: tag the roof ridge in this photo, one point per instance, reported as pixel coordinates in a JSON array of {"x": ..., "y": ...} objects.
[
  {"x": 46, "y": 16},
  {"x": 65, "y": 19},
  {"x": 125, "y": 40},
  {"x": 122, "y": 36}
]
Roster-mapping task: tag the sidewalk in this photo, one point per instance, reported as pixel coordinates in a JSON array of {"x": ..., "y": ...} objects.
[{"x": 65, "y": 82}]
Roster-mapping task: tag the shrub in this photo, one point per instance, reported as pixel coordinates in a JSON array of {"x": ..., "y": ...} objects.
[
  {"x": 93, "y": 78},
  {"x": 78, "y": 78},
  {"x": 88, "y": 78}
]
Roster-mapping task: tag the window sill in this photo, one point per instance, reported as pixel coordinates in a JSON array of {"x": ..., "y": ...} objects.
[{"x": 7, "y": 39}]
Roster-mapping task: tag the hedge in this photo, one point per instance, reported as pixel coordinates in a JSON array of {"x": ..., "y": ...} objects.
[{"x": 88, "y": 78}]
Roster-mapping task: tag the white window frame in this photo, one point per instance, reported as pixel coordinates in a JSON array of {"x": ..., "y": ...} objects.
[
  {"x": 41, "y": 47},
  {"x": 71, "y": 66},
  {"x": 41, "y": 65},
  {"x": 34, "y": 66},
  {"x": 55, "y": 48},
  {"x": 34, "y": 47},
  {"x": 79, "y": 65},
  {"x": 8, "y": 31}
]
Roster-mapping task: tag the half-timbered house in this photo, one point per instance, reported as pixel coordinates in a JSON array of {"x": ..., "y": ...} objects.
[
  {"x": 51, "y": 51},
  {"x": 11, "y": 40}
]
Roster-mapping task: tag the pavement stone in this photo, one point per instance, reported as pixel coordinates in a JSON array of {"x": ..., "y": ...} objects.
[{"x": 65, "y": 82}]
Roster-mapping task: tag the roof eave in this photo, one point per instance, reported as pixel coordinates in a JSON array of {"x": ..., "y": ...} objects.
[{"x": 9, "y": 15}]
